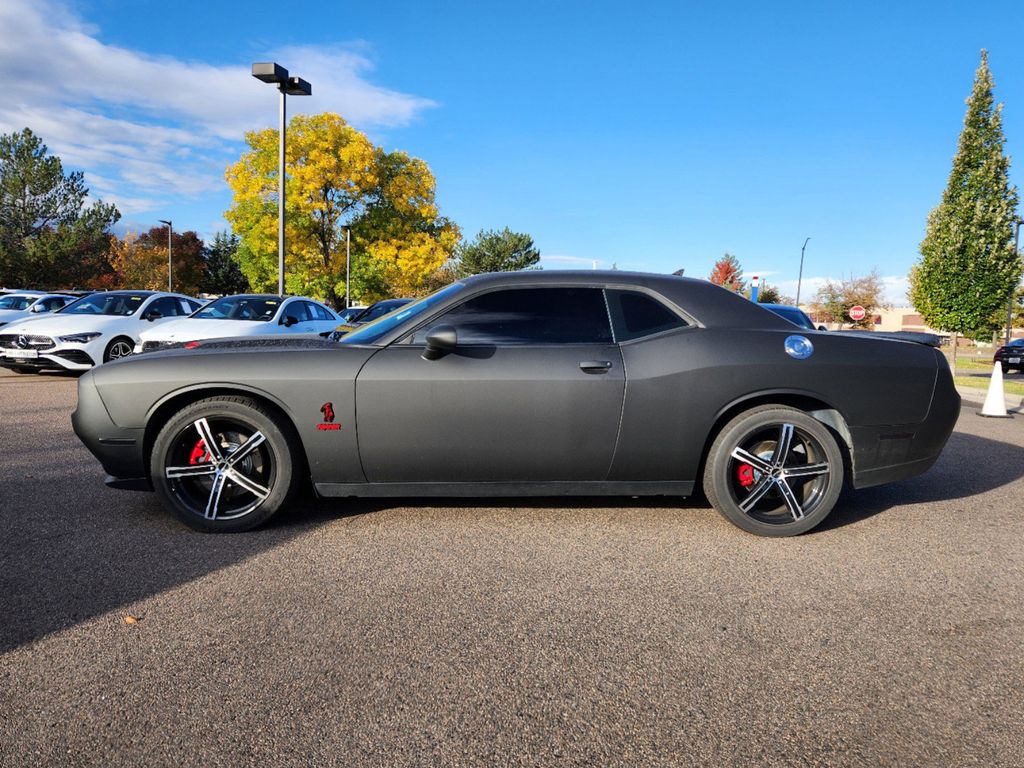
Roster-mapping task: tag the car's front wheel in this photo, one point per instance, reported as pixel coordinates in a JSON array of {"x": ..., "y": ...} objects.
[
  {"x": 774, "y": 471},
  {"x": 225, "y": 464},
  {"x": 120, "y": 347}
]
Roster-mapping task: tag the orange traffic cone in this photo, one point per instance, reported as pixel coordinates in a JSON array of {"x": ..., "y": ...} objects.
[{"x": 995, "y": 402}]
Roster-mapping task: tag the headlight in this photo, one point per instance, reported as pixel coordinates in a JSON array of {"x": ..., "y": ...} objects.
[{"x": 81, "y": 338}]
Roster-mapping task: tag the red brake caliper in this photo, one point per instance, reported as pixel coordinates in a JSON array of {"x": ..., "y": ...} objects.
[
  {"x": 199, "y": 453},
  {"x": 745, "y": 474}
]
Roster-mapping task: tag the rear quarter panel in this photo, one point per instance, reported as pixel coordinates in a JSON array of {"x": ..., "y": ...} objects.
[{"x": 677, "y": 386}]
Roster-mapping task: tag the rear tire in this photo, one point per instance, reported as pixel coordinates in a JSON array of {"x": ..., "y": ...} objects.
[
  {"x": 774, "y": 471},
  {"x": 249, "y": 476}
]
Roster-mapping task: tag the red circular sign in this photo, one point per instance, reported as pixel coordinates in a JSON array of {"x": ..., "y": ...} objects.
[{"x": 858, "y": 312}]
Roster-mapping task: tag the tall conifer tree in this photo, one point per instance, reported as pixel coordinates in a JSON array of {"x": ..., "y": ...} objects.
[{"x": 968, "y": 266}]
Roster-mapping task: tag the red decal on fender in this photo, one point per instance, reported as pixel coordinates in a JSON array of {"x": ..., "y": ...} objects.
[{"x": 328, "y": 427}]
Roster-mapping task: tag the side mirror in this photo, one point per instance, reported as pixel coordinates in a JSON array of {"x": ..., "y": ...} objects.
[
  {"x": 441, "y": 340},
  {"x": 151, "y": 315},
  {"x": 289, "y": 321},
  {"x": 822, "y": 328},
  {"x": 36, "y": 308}
]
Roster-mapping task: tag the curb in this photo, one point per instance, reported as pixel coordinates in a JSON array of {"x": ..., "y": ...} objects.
[{"x": 976, "y": 396}]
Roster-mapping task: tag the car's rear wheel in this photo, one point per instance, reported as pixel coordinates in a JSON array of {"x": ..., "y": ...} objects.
[
  {"x": 225, "y": 464},
  {"x": 120, "y": 347},
  {"x": 774, "y": 471}
]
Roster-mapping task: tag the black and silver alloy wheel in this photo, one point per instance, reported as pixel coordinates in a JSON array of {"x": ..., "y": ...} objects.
[
  {"x": 118, "y": 348},
  {"x": 224, "y": 464},
  {"x": 774, "y": 471}
]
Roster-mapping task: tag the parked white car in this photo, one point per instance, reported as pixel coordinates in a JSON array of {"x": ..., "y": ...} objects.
[
  {"x": 244, "y": 315},
  {"x": 89, "y": 331},
  {"x": 29, "y": 306}
]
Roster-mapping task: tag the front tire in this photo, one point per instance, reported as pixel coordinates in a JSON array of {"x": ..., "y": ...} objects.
[
  {"x": 774, "y": 471},
  {"x": 225, "y": 464},
  {"x": 120, "y": 347}
]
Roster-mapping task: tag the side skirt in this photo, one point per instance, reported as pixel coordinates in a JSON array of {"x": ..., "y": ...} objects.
[{"x": 497, "y": 490}]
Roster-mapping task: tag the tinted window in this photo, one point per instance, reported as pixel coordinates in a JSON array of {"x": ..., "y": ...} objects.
[
  {"x": 167, "y": 307},
  {"x": 530, "y": 316},
  {"x": 637, "y": 314},
  {"x": 52, "y": 304}
]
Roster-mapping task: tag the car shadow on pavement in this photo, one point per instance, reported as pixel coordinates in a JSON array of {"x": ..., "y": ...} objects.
[
  {"x": 73, "y": 549},
  {"x": 969, "y": 466}
]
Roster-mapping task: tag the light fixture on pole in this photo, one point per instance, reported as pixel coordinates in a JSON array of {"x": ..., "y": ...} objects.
[
  {"x": 170, "y": 229},
  {"x": 271, "y": 72},
  {"x": 800, "y": 278}
]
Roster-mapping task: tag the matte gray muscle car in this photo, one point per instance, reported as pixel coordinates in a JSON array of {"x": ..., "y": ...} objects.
[{"x": 529, "y": 383}]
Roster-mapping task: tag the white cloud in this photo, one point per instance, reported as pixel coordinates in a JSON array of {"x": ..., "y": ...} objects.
[
  {"x": 558, "y": 261},
  {"x": 147, "y": 129}
]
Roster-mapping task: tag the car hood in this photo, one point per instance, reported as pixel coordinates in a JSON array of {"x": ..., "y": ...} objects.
[
  {"x": 189, "y": 329},
  {"x": 58, "y": 324}
]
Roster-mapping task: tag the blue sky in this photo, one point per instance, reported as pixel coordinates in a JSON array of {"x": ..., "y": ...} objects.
[{"x": 652, "y": 135}]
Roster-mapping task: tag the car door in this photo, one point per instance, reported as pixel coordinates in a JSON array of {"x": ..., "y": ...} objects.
[
  {"x": 532, "y": 392},
  {"x": 166, "y": 307}
]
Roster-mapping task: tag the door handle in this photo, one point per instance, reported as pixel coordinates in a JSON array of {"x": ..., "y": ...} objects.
[{"x": 596, "y": 366}]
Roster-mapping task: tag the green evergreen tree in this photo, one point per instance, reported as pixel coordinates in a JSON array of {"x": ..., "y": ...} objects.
[
  {"x": 968, "y": 266},
  {"x": 48, "y": 238},
  {"x": 494, "y": 251},
  {"x": 223, "y": 276}
]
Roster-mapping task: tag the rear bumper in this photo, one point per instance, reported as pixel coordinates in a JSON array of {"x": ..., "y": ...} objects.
[{"x": 883, "y": 454}]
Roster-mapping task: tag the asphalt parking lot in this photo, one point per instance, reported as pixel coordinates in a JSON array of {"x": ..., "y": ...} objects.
[{"x": 594, "y": 632}]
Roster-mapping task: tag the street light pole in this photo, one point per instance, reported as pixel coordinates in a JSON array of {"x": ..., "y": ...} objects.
[
  {"x": 348, "y": 266},
  {"x": 1013, "y": 293},
  {"x": 271, "y": 72},
  {"x": 800, "y": 278},
  {"x": 170, "y": 229}
]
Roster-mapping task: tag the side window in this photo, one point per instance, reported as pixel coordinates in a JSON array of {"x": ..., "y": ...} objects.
[
  {"x": 166, "y": 306},
  {"x": 51, "y": 304},
  {"x": 529, "y": 316},
  {"x": 635, "y": 315},
  {"x": 319, "y": 312},
  {"x": 299, "y": 310},
  {"x": 188, "y": 306}
]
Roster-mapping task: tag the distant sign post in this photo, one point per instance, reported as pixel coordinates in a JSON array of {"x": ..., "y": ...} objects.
[{"x": 858, "y": 313}]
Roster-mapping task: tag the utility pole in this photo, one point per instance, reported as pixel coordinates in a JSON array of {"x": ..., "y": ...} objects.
[
  {"x": 800, "y": 278},
  {"x": 170, "y": 228}
]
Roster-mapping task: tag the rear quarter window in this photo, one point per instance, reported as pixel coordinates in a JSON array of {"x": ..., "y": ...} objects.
[{"x": 635, "y": 315}]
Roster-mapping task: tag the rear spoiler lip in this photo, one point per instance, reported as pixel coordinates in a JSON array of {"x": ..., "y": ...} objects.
[{"x": 916, "y": 337}]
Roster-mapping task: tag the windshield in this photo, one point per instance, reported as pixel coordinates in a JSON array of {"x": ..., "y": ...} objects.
[
  {"x": 369, "y": 333},
  {"x": 256, "y": 308},
  {"x": 122, "y": 304},
  {"x": 16, "y": 302}
]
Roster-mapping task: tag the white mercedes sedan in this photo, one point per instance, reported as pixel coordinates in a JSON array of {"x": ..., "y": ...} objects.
[
  {"x": 29, "y": 306},
  {"x": 244, "y": 315},
  {"x": 95, "y": 329}
]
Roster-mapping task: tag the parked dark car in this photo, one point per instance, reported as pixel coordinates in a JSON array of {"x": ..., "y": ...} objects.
[
  {"x": 795, "y": 315},
  {"x": 368, "y": 315},
  {"x": 528, "y": 384},
  {"x": 1010, "y": 356}
]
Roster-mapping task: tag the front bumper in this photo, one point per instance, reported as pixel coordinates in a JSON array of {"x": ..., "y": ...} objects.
[
  {"x": 50, "y": 360},
  {"x": 119, "y": 450}
]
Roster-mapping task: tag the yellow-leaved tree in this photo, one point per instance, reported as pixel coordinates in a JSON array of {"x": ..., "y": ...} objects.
[{"x": 338, "y": 179}]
